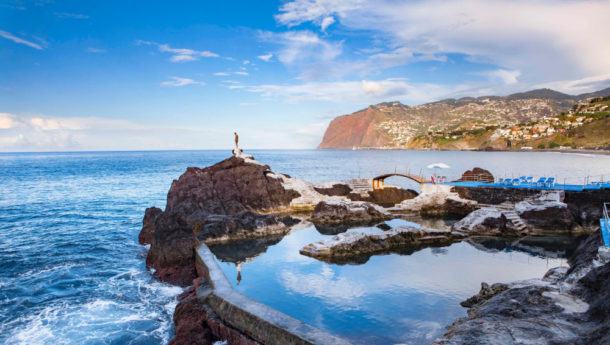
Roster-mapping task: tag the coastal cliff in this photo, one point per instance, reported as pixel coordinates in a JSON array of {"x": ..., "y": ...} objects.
[{"x": 537, "y": 119}]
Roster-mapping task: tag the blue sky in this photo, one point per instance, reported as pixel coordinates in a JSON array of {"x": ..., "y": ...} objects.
[{"x": 116, "y": 75}]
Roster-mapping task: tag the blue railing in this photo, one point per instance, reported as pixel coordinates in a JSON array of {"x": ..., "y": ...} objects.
[{"x": 605, "y": 226}]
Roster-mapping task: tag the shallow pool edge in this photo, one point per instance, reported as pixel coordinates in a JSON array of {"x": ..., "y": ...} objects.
[{"x": 259, "y": 321}]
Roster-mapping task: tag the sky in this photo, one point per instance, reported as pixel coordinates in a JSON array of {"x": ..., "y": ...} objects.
[{"x": 159, "y": 75}]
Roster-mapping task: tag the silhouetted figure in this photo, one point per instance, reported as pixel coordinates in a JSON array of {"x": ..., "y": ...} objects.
[
  {"x": 236, "y": 142},
  {"x": 238, "y": 274}
]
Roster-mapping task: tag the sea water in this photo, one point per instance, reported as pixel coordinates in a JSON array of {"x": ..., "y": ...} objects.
[{"x": 72, "y": 271}]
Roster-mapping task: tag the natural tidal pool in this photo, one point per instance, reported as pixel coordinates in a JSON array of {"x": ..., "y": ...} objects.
[{"x": 406, "y": 297}]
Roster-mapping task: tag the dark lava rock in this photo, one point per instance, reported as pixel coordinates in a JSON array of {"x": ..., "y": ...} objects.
[
  {"x": 477, "y": 174},
  {"x": 228, "y": 187},
  {"x": 484, "y": 294},
  {"x": 190, "y": 325},
  {"x": 246, "y": 224},
  {"x": 546, "y": 215},
  {"x": 172, "y": 253},
  {"x": 357, "y": 212},
  {"x": 454, "y": 208},
  {"x": 197, "y": 324},
  {"x": 586, "y": 252},
  {"x": 595, "y": 289},
  {"x": 388, "y": 196},
  {"x": 338, "y": 189},
  {"x": 346, "y": 246},
  {"x": 520, "y": 315},
  {"x": 485, "y": 221},
  {"x": 384, "y": 226},
  {"x": 219, "y": 201},
  {"x": 148, "y": 225}
]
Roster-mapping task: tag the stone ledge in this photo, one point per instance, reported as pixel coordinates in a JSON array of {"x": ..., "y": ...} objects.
[{"x": 254, "y": 319}]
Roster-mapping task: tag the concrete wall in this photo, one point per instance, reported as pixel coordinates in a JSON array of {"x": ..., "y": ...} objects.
[{"x": 252, "y": 318}]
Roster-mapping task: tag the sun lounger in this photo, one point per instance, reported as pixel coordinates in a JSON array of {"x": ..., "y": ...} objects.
[
  {"x": 550, "y": 182},
  {"x": 541, "y": 182},
  {"x": 516, "y": 182}
]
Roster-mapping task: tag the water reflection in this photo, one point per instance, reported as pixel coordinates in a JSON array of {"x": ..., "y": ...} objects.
[{"x": 405, "y": 297}]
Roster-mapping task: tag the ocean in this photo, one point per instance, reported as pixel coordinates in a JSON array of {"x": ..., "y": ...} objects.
[{"x": 72, "y": 271}]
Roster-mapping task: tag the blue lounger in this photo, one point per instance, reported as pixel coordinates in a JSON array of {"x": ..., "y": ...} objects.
[
  {"x": 550, "y": 182},
  {"x": 541, "y": 182}
]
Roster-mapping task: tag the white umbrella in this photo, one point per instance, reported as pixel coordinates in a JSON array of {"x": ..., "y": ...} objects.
[{"x": 438, "y": 166}]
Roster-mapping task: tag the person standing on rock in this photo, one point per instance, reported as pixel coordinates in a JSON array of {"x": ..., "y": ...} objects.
[{"x": 236, "y": 142}]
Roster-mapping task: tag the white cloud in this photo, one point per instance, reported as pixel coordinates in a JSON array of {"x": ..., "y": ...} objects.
[
  {"x": 16, "y": 39},
  {"x": 8, "y": 121},
  {"x": 543, "y": 39},
  {"x": 504, "y": 76},
  {"x": 52, "y": 133},
  {"x": 177, "y": 81},
  {"x": 265, "y": 57},
  {"x": 241, "y": 73},
  {"x": 246, "y": 62},
  {"x": 221, "y": 74},
  {"x": 302, "y": 46},
  {"x": 180, "y": 54},
  {"x": 65, "y": 15},
  {"x": 95, "y": 50},
  {"x": 326, "y": 22},
  {"x": 578, "y": 86}
]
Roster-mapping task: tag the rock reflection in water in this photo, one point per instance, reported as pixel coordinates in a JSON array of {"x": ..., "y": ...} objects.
[
  {"x": 547, "y": 246},
  {"x": 243, "y": 251}
]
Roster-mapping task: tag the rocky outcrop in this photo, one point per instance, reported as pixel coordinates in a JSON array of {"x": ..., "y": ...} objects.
[
  {"x": 337, "y": 189},
  {"x": 484, "y": 294},
  {"x": 148, "y": 225},
  {"x": 477, "y": 174},
  {"x": 218, "y": 228},
  {"x": 355, "y": 244},
  {"x": 344, "y": 213},
  {"x": 230, "y": 187},
  {"x": 196, "y": 324},
  {"x": 217, "y": 203},
  {"x": 172, "y": 253},
  {"x": 438, "y": 204},
  {"x": 387, "y": 197},
  {"x": 565, "y": 307},
  {"x": 546, "y": 212},
  {"x": 486, "y": 221}
]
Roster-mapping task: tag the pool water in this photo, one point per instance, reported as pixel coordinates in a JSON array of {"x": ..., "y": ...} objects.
[{"x": 407, "y": 297}]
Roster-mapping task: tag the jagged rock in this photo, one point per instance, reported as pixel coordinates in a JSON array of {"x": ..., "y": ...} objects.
[
  {"x": 172, "y": 253},
  {"x": 388, "y": 196},
  {"x": 197, "y": 324},
  {"x": 355, "y": 212},
  {"x": 219, "y": 201},
  {"x": 546, "y": 212},
  {"x": 565, "y": 307},
  {"x": 217, "y": 228},
  {"x": 337, "y": 189},
  {"x": 477, "y": 174},
  {"x": 484, "y": 294},
  {"x": 189, "y": 321},
  {"x": 148, "y": 225},
  {"x": 229, "y": 187},
  {"x": 485, "y": 221},
  {"x": 356, "y": 243},
  {"x": 439, "y": 204}
]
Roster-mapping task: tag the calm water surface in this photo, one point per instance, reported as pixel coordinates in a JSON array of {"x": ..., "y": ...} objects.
[{"x": 72, "y": 272}]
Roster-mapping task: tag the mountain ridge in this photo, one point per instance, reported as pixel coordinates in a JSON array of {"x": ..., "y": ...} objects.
[{"x": 395, "y": 125}]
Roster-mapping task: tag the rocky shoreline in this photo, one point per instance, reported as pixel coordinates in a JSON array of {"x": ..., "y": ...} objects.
[{"x": 240, "y": 198}]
